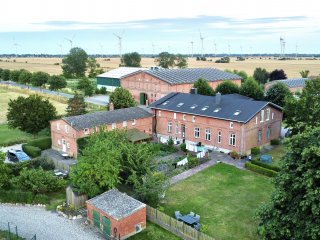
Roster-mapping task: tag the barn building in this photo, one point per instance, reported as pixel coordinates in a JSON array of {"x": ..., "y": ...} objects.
[
  {"x": 294, "y": 84},
  {"x": 116, "y": 214}
]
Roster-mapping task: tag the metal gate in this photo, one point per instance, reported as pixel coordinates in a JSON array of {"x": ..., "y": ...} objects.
[
  {"x": 96, "y": 218},
  {"x": 106, "y": 226}
]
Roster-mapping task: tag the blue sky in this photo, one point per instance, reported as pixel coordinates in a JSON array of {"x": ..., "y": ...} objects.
[{"x": 153, "y": 26}]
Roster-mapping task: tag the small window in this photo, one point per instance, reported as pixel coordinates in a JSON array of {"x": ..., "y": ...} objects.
[
  {"x": 165, "y": 103},
  {"x": 159, "y": 114},
  {"x": 86, "y": 131},
  {"x": 236, "y": 113},
  {"x": 184, "y": 117},
  {"x": 114, "y": 125},
  {"x": 66, "y": 128},
  {"x": 261, "y": 115},
  {"x": 256, "y": 120},
  {"x": 180, "y": 104},
  {"x": 169, "y": 127},
  {"x": 124, "y": 124},
  {"x": 194, "y": 106},
  {"x": 232, "y": 139},
  {"x": 259, "y": 136},
  {"x": 231, "y": 124},
  {"x": 177, "y": 128},
  {"x": 205, "y": 108},
  {"x": 268, "y": 132},
  {"x": 174, "y": 116},
  {"x": 134, "y": 121},
  {"x": 68, "y": 145},
  {"x": 219, "y": 137},
  {"x": 272, "y": 115},
  {"x": 196, "y": 132},
  {"x": 208, "y": 135},
  {"x": 217, "y": 110},
  {"x": 59, "y": 142},
  {"x": 193, "y": 119},
  {"x": 58, "y": 126},
  {"x": 138, "y": 228},
  {"x": 268, "y": 114}
]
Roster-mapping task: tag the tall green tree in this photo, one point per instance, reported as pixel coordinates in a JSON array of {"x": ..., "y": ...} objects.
[
  {"x": 30, "y": 114},
  {"x": 5, "y": 74},
  {"x": 252, "y": 89},
  {"x": 25, "y": 76},
  {"x": 181, "y": 61},
  {"x": 304, "y": 111},
  {"x": 5, "y": 172},
  {"x": 227, "y": 87},
  {"x": 165, "y": 60},
  {"x": 294, "y": 210},
  {"x": 57, "y": 82},
  {"x": 304, "y": 73},
  {"x": 131, "y": 60},
  {"x": 85, "y": 85},
  {"x": 74, "y": 65},
  {"x": 76, "y": 105},
  {"x": 122, "y": 98},
  {"x": 277, "y": 93},
  {"x": 261, "y": 75},
  {"x": 203, "y": 87},
  {"x": 14, "y": 75},
  {"x": 39, "y": 78},
  {"x": 94, "y": 67},
  {"x": 277, "y": 74}
]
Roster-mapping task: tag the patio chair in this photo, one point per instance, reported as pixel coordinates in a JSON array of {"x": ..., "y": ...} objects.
[
  {"x": 191, "y": 214},
  {"x": 178, "y": 215},
  {"x": 197, "y": 226},
  {"x": 197, "y": 217}
]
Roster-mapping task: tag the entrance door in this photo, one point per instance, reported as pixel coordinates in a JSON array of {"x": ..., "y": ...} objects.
[
  {"x": 64, "y": 145},
  {"x": 106, "y": 226},
  {"x": 96, "y": 218},
  {"x": 183, "y": 131}
]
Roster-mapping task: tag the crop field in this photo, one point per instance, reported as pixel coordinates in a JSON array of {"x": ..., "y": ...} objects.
[{"x": 291, "y": 67}]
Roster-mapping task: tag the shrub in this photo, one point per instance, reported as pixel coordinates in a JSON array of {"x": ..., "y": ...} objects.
[
  {"x": 266, "y": 165},
  {"x": 170, "y": 142},
  {"x": 234, "y": 155},
  {"x": 275, "y": 142},
  {"x": 12, "y": 196},
  {"x": 16, "y": 168},
  {"x": 255, "y": 150},
  {"x": 42, "y": 143},
  {"x": 41, "y": 199},
  {"x": 31, "y": 150},
  {"x": 261, "y": 170},
  {"x": 44, "y": 162},
  {"x": 193, "y": 161},
  {"x": 103, "y": 90},
  {"x": 183, "y": 147}
]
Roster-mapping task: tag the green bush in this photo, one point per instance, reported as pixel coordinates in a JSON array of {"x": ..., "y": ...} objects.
[
  {"x": 16, "y": 168},
  {"x": 44, "y": 162},
  {"x": 183, "y": 147},
  {"x": 170, "y": 142},
  {"x": 31, "y": 150},
  {"x": 234, "y": 155},
  {"x": 12, "y": 196},
  {"x": 41, "y": 198},
  {"x": 42, "y": 143},
  {"x": 103, "y": 90},
  {"x": 82, "y": 142},
  {"x": 266, "y": 165},
  {"x": 255, "y": 150},
  {"x": 261, "y": 170},
  {"x": 193, "y": 161},
  {"x": 275, "y": 142}
]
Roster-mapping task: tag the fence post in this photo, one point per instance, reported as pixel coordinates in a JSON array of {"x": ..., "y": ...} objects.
[
  {"x": 17, "y": 231},
  {"x": 9, "y": 233}
]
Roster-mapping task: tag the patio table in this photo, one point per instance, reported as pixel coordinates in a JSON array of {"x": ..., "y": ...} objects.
[{"x": 188, "y": 219}]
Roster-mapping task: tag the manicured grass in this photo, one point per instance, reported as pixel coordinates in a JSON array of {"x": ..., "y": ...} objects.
[
  {"x": 225, "y": 197},
  {"x": 277, "y": 153},
  {"x": 154, "y": 232}
]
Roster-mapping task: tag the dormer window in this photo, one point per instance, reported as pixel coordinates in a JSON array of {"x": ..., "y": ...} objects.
[
  {"x": 194, "y": 106},
  {"x": 217, "y": 110},
  {"x": 205, "y": 108},
  {"x": 193, "y": 119},
  {"x": 86, "y": 131},
  {"x": 236, "y": 113},
  {"x": 124, "y": 123},
  {"x": 165, "y": 103},
  {"x": 180, "y": 104}
]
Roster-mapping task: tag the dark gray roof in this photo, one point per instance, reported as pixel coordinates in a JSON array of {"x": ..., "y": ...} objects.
[
  {"x": 116, "y": 204},
  {"x": 91, "y": 120},
  {"x": 206, "y": 106},
  {"x": 294, "y": 82},
  {"x": 191, "y": 75}
]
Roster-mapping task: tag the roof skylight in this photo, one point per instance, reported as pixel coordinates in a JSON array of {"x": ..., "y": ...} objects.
[
  {"x": 205, "y": 108},
  {"x": 194, "y": 106},
  {"x": 217, "y": 110},
  {"x": 237, "y": 112},
  {"x": 180, "y": 104},
  {"x": 165, "y": 103}
]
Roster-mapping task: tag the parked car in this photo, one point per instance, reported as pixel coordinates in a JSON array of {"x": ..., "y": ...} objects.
[{"x": 17, "y": 156}]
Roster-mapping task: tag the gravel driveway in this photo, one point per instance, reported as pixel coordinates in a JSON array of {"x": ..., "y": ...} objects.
[{"x": 45, "y": 224}]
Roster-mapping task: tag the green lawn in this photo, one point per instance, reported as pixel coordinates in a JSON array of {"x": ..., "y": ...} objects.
[
  {"x": 154, "y": 232},
  {"x": 12, "y": 136},
  {"x": 225, "y": 197},
  {"x": 5, "y": 234}
]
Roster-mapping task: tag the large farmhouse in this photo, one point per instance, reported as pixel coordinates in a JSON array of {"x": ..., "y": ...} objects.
[
  {"x": 151, "y": 85},
  {"x": 222, "y": 122},
  {"x": 66, "y": 131}
]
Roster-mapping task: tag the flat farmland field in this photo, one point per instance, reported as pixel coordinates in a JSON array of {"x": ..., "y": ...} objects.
[{"x": 291, "y": 67}]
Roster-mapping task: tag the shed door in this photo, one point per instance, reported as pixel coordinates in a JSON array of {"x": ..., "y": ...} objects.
[
  {"x": 106, "y": 226},
  {"x": 96, "y": 218}
]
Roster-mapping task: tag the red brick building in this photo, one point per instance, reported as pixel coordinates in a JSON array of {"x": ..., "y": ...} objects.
[
  {"x": 116, "y": 214},
  {"x": 294, "y": 84},
  {"x": 226, "y": 123},
  {"x": 66, "y": 131},
  {"x": 152, "y": 85}
]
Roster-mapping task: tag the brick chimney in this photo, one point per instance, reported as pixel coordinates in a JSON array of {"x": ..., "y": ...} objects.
[
  {"x": 218, "y": 98},
  {"x": 111, "y": 106}
]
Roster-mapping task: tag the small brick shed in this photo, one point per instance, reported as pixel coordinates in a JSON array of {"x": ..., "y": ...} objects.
[{"x": 116, "y": 214}]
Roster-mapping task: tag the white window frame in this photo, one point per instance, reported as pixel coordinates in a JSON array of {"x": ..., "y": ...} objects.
[
  {"x": 268, "y": 114},
  {"x": 134, "y": 122},
  {"x": 232, "y": 139},
  {"x": 124, "y": 124},
  {"x": 208, "y": 134},
  {"x": 58, "y": 126},
  {"x": 159, "y": 113},
  {"x": 174, "y": 116},
  {"x": 113, "y": 126},
  {"x": 177, "y": 128},
  {"x": 68, "y": 145},
  {"x": 259, "y": 136},
  {"x": 66, "y": 128},
  {"x": 193, "y": 118},
  {"x": 231, "y": 124},
  {"x": 59, "y": 142},
  {"x": 219, "y": 136},
  {"x": 196, "y": 132},
  {"x": 261, "y": 115},
  {"x": 256, "y": 120},
  {"x": 169, "y": 127},
  {"x": 86, "y": 131},
  {"x": 184, "y": 117},
  {"x": 268, "y": 132},
  {"x": 272, "y": 115}
]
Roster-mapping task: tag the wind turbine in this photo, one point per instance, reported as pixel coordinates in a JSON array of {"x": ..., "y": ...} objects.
[
  {"x": 15, "y": 45},
  {"x": 120, "y": 36},
  {"x": 60, "y": 45},
  {"x": 296, "y": 50},
  {"x": 201, "y": 38},
  {"x": 229, "y": 48},
  {"x": 153, "y": 46},
  {"x": 192, "y": 48},
  {"x": 282, "y": 46},
  {"x": 101, "y": 49},
  {"x": 215, "y": 49},
  {"x": 70, "y": 40}
]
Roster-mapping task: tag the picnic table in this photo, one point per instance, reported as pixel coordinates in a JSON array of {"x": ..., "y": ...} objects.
[{"x": 188, "y": 219}]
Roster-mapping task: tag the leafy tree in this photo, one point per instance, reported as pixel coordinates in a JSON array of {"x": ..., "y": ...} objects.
[
  {"x": 14, "y": 75},
  {"x": 227, "y": 87},
  {"x": 261, "y": 75},
  {"x": 85, "y": 85},
  {"x": 181, "y": 61},
  {"x": 76, "y": 105},
  {"x": 30, "y": 114},
  {"x": 165, "y": 60},
  {"x": 74, "y": 65},
  {"x": 39, "y": 78},
  {"x": 122, "y": 98},
  {"x": 252, "y": 89},
  {"x": 5, "y": 74},
  {"x": 25, "y": 76},
  {"x": 5, "y": 172},
  {"x": 241, "y": 73},
  {"x": 131, "y": 60},
  {"x": 57, "y": 82},
  {"x": 94, "y": 67},
  {"x": 277, "y": 93},
  {"x": 203, "y": 87},
  {"x": 304, "y": 111},
  {"x": 294, "y": 210},
  {"x": 38, "y": 181},
  {"x": 304, "y": 73},
  {"x": 99, "y": 165},
  {"x": 1, "y": 70},
  {"x": 223, "y": 60},
  {"x": 277, "y": 74}
]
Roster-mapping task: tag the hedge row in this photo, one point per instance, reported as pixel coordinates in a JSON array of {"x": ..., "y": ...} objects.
[
  {"x": 32, "y": 151},
  {"x": 255, "y": 150},
  {"x": 261, "y": 170},
  {"x": 12, "y": 196},
  {"x": 266, "y": 165},
  {"x": 42, "y": 143}
]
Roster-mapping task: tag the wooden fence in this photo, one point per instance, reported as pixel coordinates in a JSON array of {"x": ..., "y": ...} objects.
[
  {"x": 176, "y": 227},
  {"x": 77, "y": 200}
]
